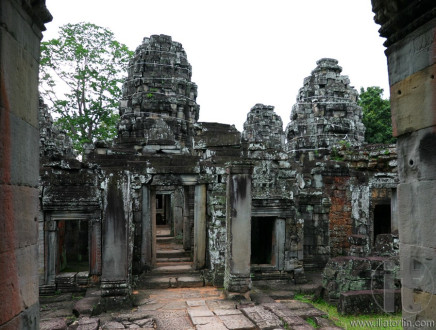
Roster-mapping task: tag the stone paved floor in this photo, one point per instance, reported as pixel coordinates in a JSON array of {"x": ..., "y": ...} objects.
[{"x": 185, "y": 308}]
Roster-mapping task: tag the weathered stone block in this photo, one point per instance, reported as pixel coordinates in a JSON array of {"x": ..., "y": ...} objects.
[
  {"x": 416, "y": 201},
  {"x": 411, "y": 54},
  {"x": 366, "y": 302},
  {"x": 24, "y": 141},
  {"x": 417, "y": 156},
  {"x": 418, "y": 267},
  {"x": 412, "y": 102}
]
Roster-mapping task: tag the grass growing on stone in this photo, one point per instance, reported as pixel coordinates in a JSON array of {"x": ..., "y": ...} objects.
[{"x": 354, "y": 322}]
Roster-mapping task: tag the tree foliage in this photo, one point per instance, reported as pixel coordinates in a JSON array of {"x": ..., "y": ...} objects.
[
  {"x": 81, "y": 74},
  {"x": 376, "y": 115}
]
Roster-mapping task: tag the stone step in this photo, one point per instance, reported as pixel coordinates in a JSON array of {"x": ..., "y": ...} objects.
[
  {"x": 173, "y": 264},
  {"x": 172, "y": 260},
  {"x": 165, "y": 282},
  {"x": 172, "y": 253},
  {"x": 165, "y": 239},
  {"x": 163, "y": 231},
  {"x": 173, "y": 269}
]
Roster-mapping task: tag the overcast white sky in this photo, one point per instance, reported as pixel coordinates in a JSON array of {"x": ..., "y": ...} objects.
[{"x": 245, "y": 52}]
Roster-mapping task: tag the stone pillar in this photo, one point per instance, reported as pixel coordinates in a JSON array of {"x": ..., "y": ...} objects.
[
  {"x": 178, "y": 211},
  {"x": 200, "y": 226},
  {"x": 21, "y": 23},
  {"x": 115, "y": 272},
  {"x": 153, "y": 226},
  {"x": 279, "y": 249},
  {"x": 410, "y": 29},
  {"x": 51, "y": 248},
  {"x": 95, "y": 266},
  {"x": 186, "y": 222},
  {"x": 146, "y": 243},
  {"x": 168, "y": 199},
  {"x": 238, "y": 216}
]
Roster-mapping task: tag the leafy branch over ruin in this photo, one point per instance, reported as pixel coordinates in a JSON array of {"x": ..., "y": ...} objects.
[
  {"x": 376, "y": 115},
  {"x": 80, "y": 79}
]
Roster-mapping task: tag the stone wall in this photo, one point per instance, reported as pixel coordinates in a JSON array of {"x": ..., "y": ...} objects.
[
  {"x": 21, "y": 23},
  {"x": 70, "y": 190},
  {"x": 410, "y": 29}
]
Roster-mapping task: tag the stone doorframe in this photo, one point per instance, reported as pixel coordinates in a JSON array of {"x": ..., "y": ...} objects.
[
  {"x": 148, "y": 246},
  {"x": 51, "y": 240},
  {"x": 278, "y": 245},
  {"x": 280, "y": 211}
]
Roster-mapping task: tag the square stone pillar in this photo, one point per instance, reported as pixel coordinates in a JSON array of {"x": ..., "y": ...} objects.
[
  {"x": 186, "y": 221},
  {"x": 279, "y": 240},
  {"x": 238, "y": 216},
  {"x": 95, "y": 247},
  {"x": 115, "y": 280},
  {"x": 146, "y": 243},
  {"x": 200, "y": 226},
  {"x": 50, "y": 252},
  {"x": 178, "y": 204}
]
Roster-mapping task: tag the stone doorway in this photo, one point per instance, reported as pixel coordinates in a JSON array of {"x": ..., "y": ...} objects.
[
  {"x": 267, "y": 243},
  {"x": 174, "y": 225},
  {"x": 73, "y": 246},
  {"x": 164, "y": 210},
  {"x": 262, "y": 241}
]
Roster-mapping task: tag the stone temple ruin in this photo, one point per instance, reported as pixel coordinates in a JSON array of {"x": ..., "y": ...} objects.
[
  {"x": 332, "y": 216},
  {"x": 263, "y": 205}
]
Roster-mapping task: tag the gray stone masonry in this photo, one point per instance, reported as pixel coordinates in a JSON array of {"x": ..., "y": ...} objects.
[
  {"x": 326, "y": 111},
  {"x": 410, "y": 28},
  {"x": 158, "y": 108}
]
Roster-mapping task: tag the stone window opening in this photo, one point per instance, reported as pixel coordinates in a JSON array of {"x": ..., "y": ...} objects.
[{"x": 382, "y": 219}]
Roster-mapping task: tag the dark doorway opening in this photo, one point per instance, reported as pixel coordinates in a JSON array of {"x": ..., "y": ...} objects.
[
  {"x": 163, "y": 209},
  {"x": 262, "y": 240},
  {"x": 382, "y": 219},
  {"x": 73, "y": 250}
]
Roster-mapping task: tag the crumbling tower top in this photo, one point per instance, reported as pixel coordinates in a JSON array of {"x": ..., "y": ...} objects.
[
  {"x": 159, "y": 100},
  {"x": 263, "y": 129},
  {"x": 326, "y": 111}
]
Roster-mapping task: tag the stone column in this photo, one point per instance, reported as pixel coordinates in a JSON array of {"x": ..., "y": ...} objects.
[
  {"x": 238, "y": 228},
  {"x": 410, "y": 29},
  {"x": 146, "y": 243},
  {"x": 51, "y": 249},
  {"x": 115, "y": 272},
  {"x": 279, "y": 250},
  {"x": 200, "y": 226},
  {"x": 21, "y": 23},
  {"x": 186, "y": 222},
  {"x": 153, "y": 226},
  {"x": 178, "y": 211},
  {"x": 95, "y": 247}
]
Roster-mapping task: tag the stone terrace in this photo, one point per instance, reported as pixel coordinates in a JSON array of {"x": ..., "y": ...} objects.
[{"x": 183, "y": 309}]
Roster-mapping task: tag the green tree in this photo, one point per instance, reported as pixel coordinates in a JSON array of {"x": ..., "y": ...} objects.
[
  {"x": 81, "y": 74},
  {"x": 376, "y": 115}
]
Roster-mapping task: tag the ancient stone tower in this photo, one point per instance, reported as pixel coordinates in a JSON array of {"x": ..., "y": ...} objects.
[
  {"x": 326, "y": 111},
  {"x": 263, "y": 128},
  {"x": 158, "y": 108}
]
